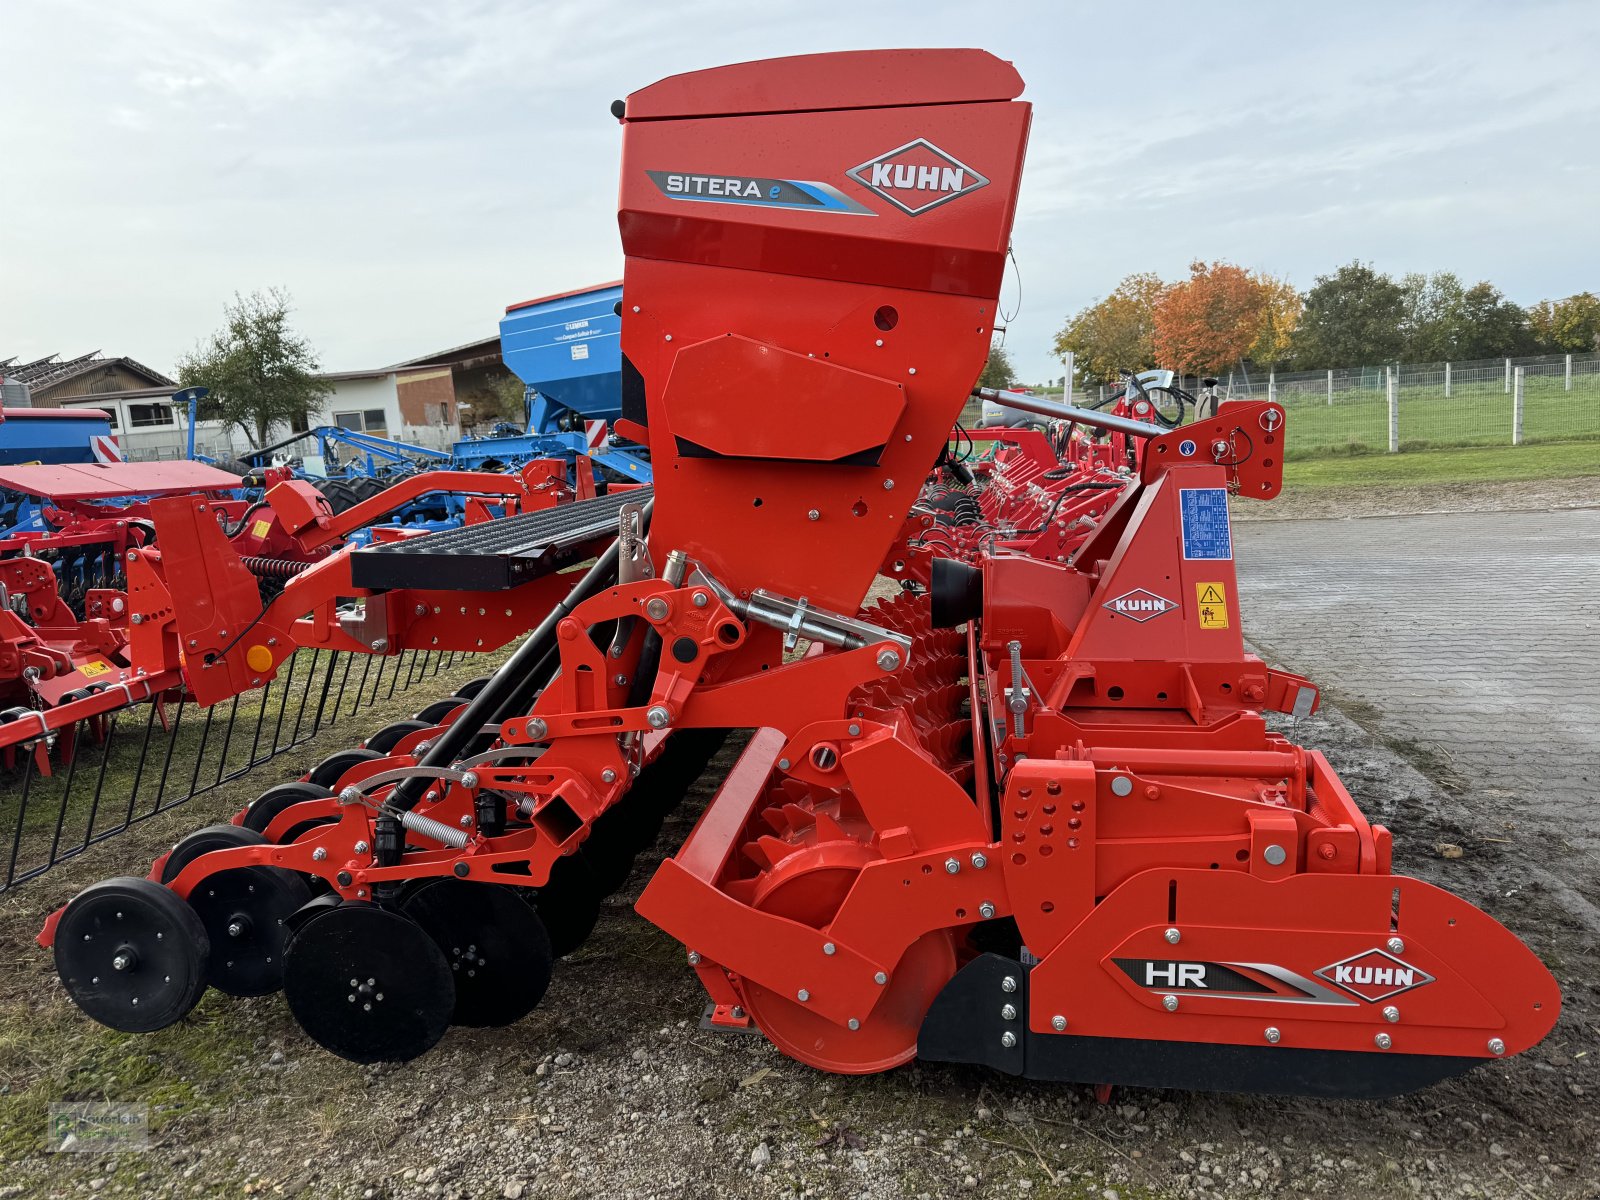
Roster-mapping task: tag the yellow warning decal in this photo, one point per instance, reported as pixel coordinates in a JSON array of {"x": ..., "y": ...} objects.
[
  {"x": 90, "y": 669},
  {"x": 1213, "y": 605},
  {"x": 261, "y": 528}
]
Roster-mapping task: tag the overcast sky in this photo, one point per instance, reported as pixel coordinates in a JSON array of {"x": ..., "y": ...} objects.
[{"x": 407, "y": 169}]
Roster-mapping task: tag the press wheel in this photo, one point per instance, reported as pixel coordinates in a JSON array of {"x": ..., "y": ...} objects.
[
  {"x": 497, "y": 948},
  {"x": 131, "y": 954},
  {"x": 368, "y": 984}
]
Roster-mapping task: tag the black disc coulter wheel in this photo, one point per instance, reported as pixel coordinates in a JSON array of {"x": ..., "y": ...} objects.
[
  {"x": 330, "y": 770},
  {"x": 435, "y": 713},
  {"x": 368, "y": 984},
  {"x": 274, "y": 800},
  {"x": 498, "y": 949},
  {"x": 385, "y": 740},
  {"x": 569, "y": 903},
  {"x": 245, "y": 911},
  {"x": 131, "y": 954}
]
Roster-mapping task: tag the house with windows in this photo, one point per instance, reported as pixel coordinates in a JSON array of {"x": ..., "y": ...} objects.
[
  {"x": 133, "y": 396},
  {"x": 422, "y": 400},
  {"x": 419, "y": 400}
]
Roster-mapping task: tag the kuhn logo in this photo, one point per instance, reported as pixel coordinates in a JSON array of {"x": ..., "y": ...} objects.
[
  {"x": 1375, "y": 975},
  {"x": 917, "y": 176},
  {"x": 1140, "y": 605}
]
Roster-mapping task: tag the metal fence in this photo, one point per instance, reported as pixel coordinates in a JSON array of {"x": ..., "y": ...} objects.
[
  {"x": 1423, "y": 406},
  {"x": 154, "y": 757},
  {"x": 1400, "y": 407}
]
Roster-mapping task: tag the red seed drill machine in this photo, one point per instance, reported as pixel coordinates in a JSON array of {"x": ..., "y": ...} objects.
[{"x": 1031, "y": 816}]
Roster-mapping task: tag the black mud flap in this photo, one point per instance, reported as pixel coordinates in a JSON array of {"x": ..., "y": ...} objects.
[{"x": 968, "y": 1023}]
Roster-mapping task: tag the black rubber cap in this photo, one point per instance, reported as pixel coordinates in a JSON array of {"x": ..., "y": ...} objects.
[
  {"x": 956, "y": 591},
  {"x": 686, "y": 649},
  {"x": 619, "y": 108}
]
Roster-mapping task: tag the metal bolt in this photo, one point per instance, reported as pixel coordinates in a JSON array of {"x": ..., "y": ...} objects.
[
  {"x": 979, "y": 860},
  {"x": 361, "y": 847},
  {"x": 1058, "y": 1023},
  {"x": 235, "y": 929},
  {"x": 1275, "y": 855},
  {"x": 986, "y": 910},
  {"x": 888, "y": 660},
  {"x": 783, "y": 764},
  {"x": 1496, "y": 1046},
  {"x": 121, "y": 962},
  {"x": 320, "y": 853},
  {"x": 620, "y": 679},
  {"x": 829, "y": 948},
  {"x": 1008, "y": 984},
  {"x": 469, "y": 779},
  {"x": 1396, "y": 946},
  {"x": 880, "y": 979},
  {"x": 608, "y": 776},
  {"x": 1391, "y": 1013},
  {"x": 137, "y": 618},
  {"x": 854, "y": 1024},
  {"x": 350, "y": 795},
  {"x": 1173, "y": 937},
  {"x": 656, "y": 608},
  {"x": 802, "y": 995},
  {"x": 701, "y": 599},
  {"x": 1008, "y": 1039},
  {"x": 1170, "y": 1003},
  {"x": 1122, "y": 786},
  {"x": 888, "y": 485},
  {"x": 1383, "y": 1041},
  {"x": 952, "y": 866},
  {"x": 813, "y": 515},
  {"x": 657, "y": 716},
  {"x": 1008, "y": 1012},
  {"x": 537, "y": 728},
  {"x": 855, "y": 731},
  {"x": 1273, "y": 1035},
  {"x": 694, "y": 958},
  {"x": 466, "y": 821}
]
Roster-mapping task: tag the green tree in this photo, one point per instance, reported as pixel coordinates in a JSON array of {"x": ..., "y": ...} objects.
[
  {"x": 998, "y": 371},
  {"x": 1114, "y": 333},
  {"x": 1570, "y": 326},
  {"x": 1432, "y": 318},
  {"x": 1491, "y": 325},
  {"x": 261, "y": 373},
  {"x": 1351, "y": 317},
  {"x": 498, "y": 399}
]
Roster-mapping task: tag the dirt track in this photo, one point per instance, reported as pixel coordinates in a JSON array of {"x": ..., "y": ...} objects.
[{"x": 610, "y": 1088}]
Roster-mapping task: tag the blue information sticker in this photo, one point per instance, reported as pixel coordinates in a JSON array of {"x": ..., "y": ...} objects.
[{"x": 1205, "y": 523}]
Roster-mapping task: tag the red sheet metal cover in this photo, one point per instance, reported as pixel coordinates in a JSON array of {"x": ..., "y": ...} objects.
[
  {"x": 101, "y": 481},
  {"x": 844, "y": 79}
]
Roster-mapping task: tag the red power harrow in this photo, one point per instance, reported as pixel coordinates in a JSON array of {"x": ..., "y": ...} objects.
[{"x": 1032, "y": 817}]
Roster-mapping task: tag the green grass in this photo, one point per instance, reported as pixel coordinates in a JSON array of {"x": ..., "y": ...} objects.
[
  {"x": 1548, "y": 460},
  {"x": 1477, "y": 414}
]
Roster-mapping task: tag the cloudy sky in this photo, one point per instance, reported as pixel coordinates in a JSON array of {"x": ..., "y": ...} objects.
[{"x": 406, "y": 169}]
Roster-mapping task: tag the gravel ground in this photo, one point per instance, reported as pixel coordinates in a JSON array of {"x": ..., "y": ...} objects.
[{"x": 611, "y": 1088}]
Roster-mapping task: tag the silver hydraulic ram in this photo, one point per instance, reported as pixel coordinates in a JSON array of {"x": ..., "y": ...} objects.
[{"x": 1066, "y": 412}]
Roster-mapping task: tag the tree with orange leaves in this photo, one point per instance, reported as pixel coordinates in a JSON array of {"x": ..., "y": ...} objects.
[{"x": 1220, "y": 315}]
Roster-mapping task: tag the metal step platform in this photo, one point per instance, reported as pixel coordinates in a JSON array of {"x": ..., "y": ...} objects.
[{"x": 495, "y": 555}]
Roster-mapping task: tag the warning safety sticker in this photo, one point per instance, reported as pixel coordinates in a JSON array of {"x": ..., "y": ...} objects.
[
  {"x": 261, "y": 528},
  {"x": 1212, "y": 605},
  {"x": 90, "y": 669},
  {"x": 1205, "y": 523}
]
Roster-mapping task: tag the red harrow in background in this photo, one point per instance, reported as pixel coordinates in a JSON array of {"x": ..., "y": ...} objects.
[
  {"x": 1032, "y": 817},
  {"x": 68, "y": 661}
]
